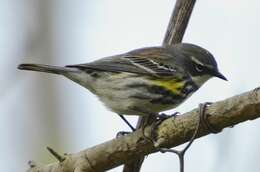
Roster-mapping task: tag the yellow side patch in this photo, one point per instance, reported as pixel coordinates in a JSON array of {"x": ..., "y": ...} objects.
[{"x": 171, "y": 85}]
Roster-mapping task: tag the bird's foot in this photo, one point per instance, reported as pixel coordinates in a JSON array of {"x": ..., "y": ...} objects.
[
  {"x": 122, "y": 133},
  {"x": 163, "y": 116},
  {"x": 159, "y": 119}
]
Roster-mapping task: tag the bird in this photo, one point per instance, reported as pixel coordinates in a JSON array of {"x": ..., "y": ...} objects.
[{"x": 150, "y": 79}]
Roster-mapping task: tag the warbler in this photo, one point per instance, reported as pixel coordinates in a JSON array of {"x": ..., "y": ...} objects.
[{"x": 152, "y": 79}]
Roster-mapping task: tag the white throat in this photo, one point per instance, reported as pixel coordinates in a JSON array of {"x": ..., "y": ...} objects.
[{"x": 200, "y": 80}]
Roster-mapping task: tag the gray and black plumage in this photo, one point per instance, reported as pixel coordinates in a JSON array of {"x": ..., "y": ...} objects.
[{"x": 154, "y": 79}]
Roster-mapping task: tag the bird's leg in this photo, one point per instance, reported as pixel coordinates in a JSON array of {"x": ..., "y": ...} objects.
[
  {"x": 151, "y": 117},
  {"x": 146, "y": 121},
  {"x": 127, "y": 122},
  {"x": 148, "y": 117},
  {"x": 121, "y": 133},
  {"x": 202, "y": 121}
]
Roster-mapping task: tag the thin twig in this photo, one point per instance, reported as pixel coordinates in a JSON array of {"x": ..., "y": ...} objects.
[
  {"x": 136, "y": 164},
  {"x": 178, "y": 22},
  {"x": 59, "y": 157},
  {"x": 181, "y": 153}
]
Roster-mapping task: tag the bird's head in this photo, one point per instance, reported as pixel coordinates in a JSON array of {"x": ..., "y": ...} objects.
[{"x": 200, "y": 63}]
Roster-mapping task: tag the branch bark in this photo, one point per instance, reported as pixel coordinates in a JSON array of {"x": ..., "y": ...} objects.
[
  {"x": 175, "y": 31},
  {"x": 170, "y": 133},
  {"x": 136, "y": 164},
  {"x": 178, "y": 22}
]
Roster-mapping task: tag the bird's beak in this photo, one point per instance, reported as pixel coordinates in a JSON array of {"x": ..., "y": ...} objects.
[{"x": 220, "y": 75}]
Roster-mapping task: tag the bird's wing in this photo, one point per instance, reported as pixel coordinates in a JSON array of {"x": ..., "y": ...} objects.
[{"x": 142, "y": 61}]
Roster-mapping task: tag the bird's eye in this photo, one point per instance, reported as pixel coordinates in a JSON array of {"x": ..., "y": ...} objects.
[{"x": 199, "y": 68}]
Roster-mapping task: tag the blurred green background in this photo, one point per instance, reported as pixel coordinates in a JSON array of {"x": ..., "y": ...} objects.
[{"x": 39, "y": 110}]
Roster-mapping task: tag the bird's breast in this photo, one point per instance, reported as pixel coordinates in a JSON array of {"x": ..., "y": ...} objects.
[{"x": 172, "y": 92}]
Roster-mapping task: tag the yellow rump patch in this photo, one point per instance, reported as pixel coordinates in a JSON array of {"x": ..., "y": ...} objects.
[{"x": 171, "y": 85}]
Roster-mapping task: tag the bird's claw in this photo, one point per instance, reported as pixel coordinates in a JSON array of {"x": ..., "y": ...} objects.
[
  {"x": 122, "y": 133},
  {"x": 164, "y": 116},
  {"x": 160, "y": 118}
]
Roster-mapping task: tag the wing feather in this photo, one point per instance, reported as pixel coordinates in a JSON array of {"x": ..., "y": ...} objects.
[{"x": 142, "y": 61}]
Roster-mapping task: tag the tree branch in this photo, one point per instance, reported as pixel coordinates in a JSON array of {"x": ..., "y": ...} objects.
[
  {"x": 172, "y": 132},
  {"x": 178, "y": 22},
  {"x": 135, "y": 164}
]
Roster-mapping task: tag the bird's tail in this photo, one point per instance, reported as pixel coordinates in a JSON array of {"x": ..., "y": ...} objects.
[{"x": 46, "y": 68}]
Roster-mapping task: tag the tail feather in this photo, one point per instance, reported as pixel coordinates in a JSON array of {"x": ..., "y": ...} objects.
[{"x": 46, "y": 68}]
